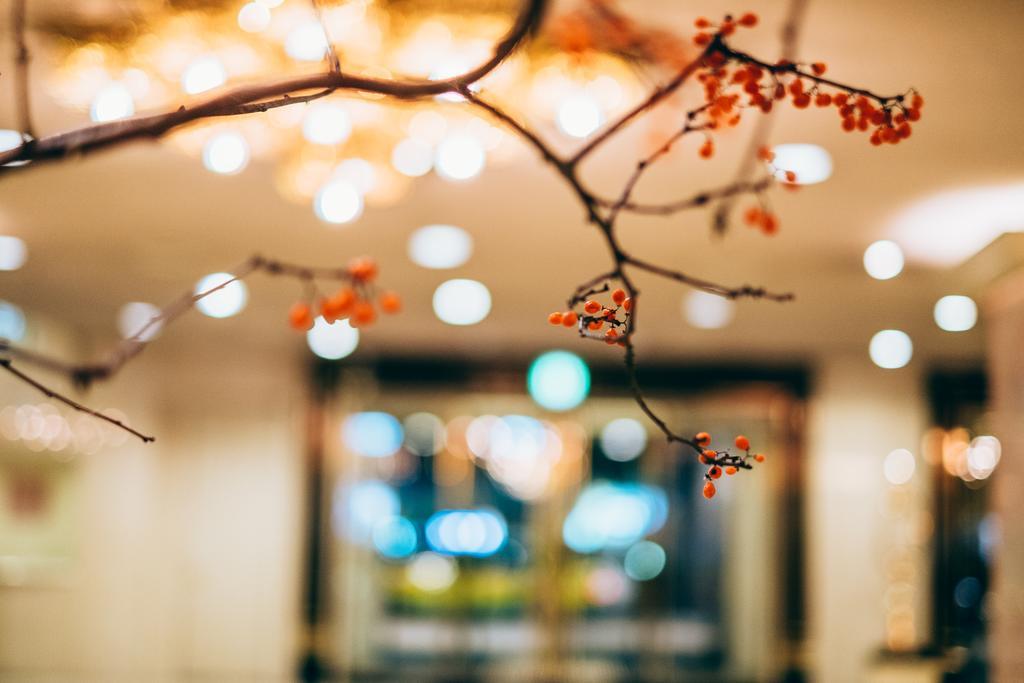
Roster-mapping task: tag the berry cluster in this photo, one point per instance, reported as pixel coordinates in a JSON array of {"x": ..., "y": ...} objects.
[
  {"x": 762, "y": 85},
  {"x": 720, "y": 462},
  {"x": 353, "y": 301},
  {"x": 596, "y": 316}
]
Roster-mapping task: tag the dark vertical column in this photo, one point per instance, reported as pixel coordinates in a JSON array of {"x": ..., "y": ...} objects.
[{"x": 312, "y": 661}]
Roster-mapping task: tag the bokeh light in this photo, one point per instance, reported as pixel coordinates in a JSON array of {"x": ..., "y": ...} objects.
[
  {"x": 13, "y": 252},
  {"x": 203, "y": 74},
  {"x": 883, "y": 260},
  {"x": 558, "y": 380},
  {"x": 891, "y": 349},
  {"x": 372, "y": 434},
  {"x": 462, "y": 302},
  {"x": 610, "y": 515},
  {"x": 111, "y": 103},
  {"x": 956, "y": 313},
  {"x": 227, "y": 301},
  {"x": 474, "y": 533},
  {"x": 623, "y": 439},
  {"x": 431, "y": 572},
  {"x": 395, "y": 537},
  {"x": 327, "y": 123},
  {"x": 226, "y": 153},
  {"x": 899, "y": 466},
  {"x": 412, "y": 158},
  {"x": 12, "y": 322},
  {"x": 136, "y": 316},
  {"x": 338, "y": 202},
  {"x": 253, "y": 17},
  {"x": 460, "y": 157},
  {"x": 644, "y": 560},
  {"x": 708, "y": 311},
  {"x": 440, "y": 246},
  {"x": 306, "y": 42},
  {"x": 811, "y": 163},
  {"x": 424, "y": 434},
  {"x": 578, "y": 116},
  {"x": 332, "y": 341},
  {"x": 361, "y": 506}
]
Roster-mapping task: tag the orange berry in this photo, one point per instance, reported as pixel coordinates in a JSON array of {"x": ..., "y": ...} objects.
[
  {"x": 759, "y": 457},
  {"x": 595, "y": 325},
  {"x": 611, "y": 336},
  {"x": 742, "y": 443},
  {"x": 300, "y": 317},
  {"x": 701, "y": 39},
  {"x": 702, "y": 439},
  {"x": 702, "y": 22},
  {"x": 363, "y": 313},
  {"x": 802, "y": 101},
  {"x": 914, "y": 114},
  {"x": 569, "y": 319},
  {"x": 714, "y": 471},
  {"x": 390, "y": 302},
  {"x": 708, "y": 456},
  {"x": 849, "y": 123},
  {"x": 591, "y": 307},
  {"x": 752, "y": 216},
  {"x": 730, "y": 470},
  {"x": 709, "y": 490},
  {"x": 618, "y": 296},
  {"x": 765, "y": 153},
  {"x": 823, "y": 99},
  {"x": 707, "y": 150},
  {"x": 628, "y": 304},
  {"x": 362, "y": 268},
  {"x": 769, "y": 224},
  {"x": 555, "y": 318},
  {"x": 840, "y": 99},
  {"x": 818, "y": 68},
  {"x": 749, "y": 19},
  {"x": 917, "y": 102},
  {"x": 790, "y": 176}
]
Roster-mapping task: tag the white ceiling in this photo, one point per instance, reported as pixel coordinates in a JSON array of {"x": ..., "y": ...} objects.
[{"x": 144, "y": 222}]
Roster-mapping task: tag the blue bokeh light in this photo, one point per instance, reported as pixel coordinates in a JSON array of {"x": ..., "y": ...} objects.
[
  {"x": 614, "y": 516},
  {"x": 359, "y": 507},
  {"x": 374, "y": 435},
  {"x": 474, "y": 533},
  {"x": 395, "y": 537},
  {"x": 558, "y": 380}
]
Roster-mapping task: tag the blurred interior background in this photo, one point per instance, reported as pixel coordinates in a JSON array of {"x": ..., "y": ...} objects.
[{"x": 463, "y": 492}]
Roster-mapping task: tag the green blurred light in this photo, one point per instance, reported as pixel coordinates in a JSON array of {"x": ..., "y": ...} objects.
[{"x": 558, "y": 380}]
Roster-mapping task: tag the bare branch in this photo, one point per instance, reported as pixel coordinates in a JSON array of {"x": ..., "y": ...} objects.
[
  {"x": 21, "y": 74},
  {"x": 332, "y": 52}
]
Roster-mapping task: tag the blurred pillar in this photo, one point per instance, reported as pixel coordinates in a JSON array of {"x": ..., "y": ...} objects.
[
  {"x": 1003, "y": 310},
  {"x": 858, "y": 414}
]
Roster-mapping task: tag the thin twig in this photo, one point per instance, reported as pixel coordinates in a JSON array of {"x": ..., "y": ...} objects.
[
  {"x": 332, "y": 52},
  {"x": 21, "y": 73}
]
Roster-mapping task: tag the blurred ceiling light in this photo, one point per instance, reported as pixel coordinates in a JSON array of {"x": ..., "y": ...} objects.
[
  {"x": 203, "y": 74},
  {"x": 332, "y": 341},
  {"x": 891, "y": 349},
  {"x": 111, "y": 103},
  {"x": 412, "y": 158},
  {"x": 708, "y": 311},
  {"x": 578, "y": 116},
  {"x": 424, "y": 434},
  {"x": 372, "y": 434},
  {"x": 338, "y": 202},
  {"x": 135, "y": 316},
  {"x": 811, "y": 163},
  {"x": 644, "y": 560},
  {"x": 359, "y": 172},
  {"x": 623, "y": 439},
  {"x": 254, "y": 17},
  {"x": 327, "y": 123},
  {"x": 226, "y": 153},
  {"x": 440, "y": 246},
  {"x": 9, "y": 139},
  {"x": 899, "y": 466},
  {"x": 226, "y": 301},
  {"x": 947, "y": 229},
  {"x": 13, "y": 252},
  {"x": 883, "y": 260},
  {"x": 558, "y": 380},
  {"x": 983, "y": 455},
  {"x": 460, "y": 157},
  {"x": 395, "y": 537},
  {"x": 462, "y": 302},
  {"x": 956, "y": 313},
  {"x": 432, "y": 573},
  {"x": 306, "y": 42},
  {"x": 12, "y": 322}
]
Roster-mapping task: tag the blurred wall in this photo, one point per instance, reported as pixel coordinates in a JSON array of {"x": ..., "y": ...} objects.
[{"x": 186, "y": 560}]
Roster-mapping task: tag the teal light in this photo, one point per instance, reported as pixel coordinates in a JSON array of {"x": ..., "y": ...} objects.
[{"x": 558, "y": 380}]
